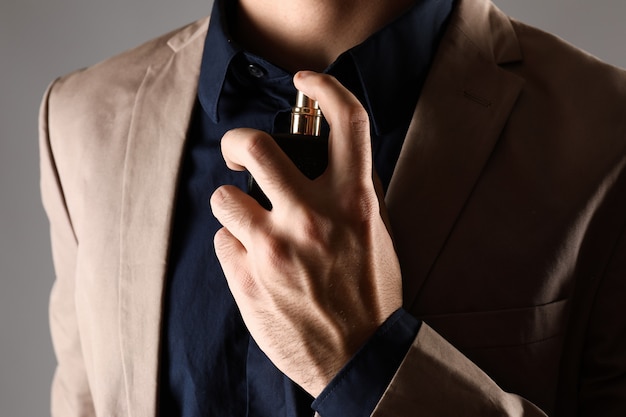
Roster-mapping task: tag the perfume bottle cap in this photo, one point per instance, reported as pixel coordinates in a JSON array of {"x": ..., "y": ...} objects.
[{"x": 306, "y": 116}]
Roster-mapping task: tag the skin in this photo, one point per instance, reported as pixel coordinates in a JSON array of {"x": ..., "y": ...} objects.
[
  {"x": 315, "y": 277},
  {"x": 310, "y": 35}
]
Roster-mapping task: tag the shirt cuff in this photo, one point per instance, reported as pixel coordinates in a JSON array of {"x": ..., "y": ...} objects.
[{"x": 358, "y": 387}]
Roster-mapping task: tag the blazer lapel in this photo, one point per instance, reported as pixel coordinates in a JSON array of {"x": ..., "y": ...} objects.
[
  {"x": 161, "y": 116},
  {"x": 462, "y": 110}
]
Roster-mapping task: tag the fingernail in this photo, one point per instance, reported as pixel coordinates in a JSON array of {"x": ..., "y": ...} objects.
[{"x": 303, "y": 74}]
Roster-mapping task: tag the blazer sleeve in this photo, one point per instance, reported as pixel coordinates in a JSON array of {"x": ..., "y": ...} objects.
[
  {"x": 437, "y": 380},
  {"x": 602, "y": 382},
  {"x": 70, "y": 393}
]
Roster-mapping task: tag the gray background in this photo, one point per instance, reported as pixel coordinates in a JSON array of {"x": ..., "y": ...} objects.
[{"x": 40, "y": 40}]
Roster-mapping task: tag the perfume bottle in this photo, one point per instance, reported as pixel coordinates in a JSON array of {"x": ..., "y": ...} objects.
[{"x": 305, "y": 145}]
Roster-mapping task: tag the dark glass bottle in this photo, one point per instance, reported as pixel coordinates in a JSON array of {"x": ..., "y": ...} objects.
[{"x": 304, "y": 145}]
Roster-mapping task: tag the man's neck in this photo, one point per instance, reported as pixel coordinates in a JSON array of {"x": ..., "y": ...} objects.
[{"x": 310, "y": 34}]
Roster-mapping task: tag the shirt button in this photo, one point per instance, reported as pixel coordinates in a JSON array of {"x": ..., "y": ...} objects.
[{"x": 256, "y": 71}]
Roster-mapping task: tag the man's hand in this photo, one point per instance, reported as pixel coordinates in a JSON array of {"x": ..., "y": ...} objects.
[{"x": 315, "y": 277}]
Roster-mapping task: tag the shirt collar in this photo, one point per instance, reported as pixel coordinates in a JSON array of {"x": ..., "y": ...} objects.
[
  {"x": 219, "y": 51},
  {"x": 393, "y": 63},
  {"x": 390, "y": 66}
]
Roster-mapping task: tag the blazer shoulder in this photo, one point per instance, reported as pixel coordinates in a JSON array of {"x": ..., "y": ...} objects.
[
  {"x": 547, "y": 56},
  {"x": 115, "y": 80},
  {"x": 86, "y": 116},
  {"x": 571, "y": 82}
]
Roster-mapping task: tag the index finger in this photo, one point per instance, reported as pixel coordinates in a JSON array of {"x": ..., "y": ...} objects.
[{"x": 350, "y": 144}]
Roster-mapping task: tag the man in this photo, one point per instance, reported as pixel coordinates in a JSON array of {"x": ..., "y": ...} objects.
[{"x": 463, "y": 254}]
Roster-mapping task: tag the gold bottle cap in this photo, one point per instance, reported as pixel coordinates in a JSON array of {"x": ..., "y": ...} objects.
[{"x": 306, "y": 116}]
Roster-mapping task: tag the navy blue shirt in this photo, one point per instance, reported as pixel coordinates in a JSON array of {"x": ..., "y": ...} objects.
[{"x": 210, "y": 366}]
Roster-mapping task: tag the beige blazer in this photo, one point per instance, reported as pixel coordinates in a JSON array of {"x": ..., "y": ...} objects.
[{"x": 508, "y": 207}]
